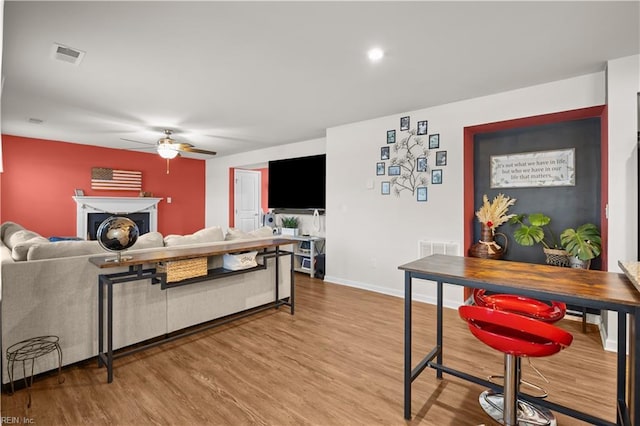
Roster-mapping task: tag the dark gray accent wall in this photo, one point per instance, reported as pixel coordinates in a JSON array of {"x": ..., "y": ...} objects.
[{"x": 568, "y": 206}]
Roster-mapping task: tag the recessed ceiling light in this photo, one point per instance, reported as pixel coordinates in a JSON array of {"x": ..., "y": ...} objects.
[{"x": 375, "y": 54}]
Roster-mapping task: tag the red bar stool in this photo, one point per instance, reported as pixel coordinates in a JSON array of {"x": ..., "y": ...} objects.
[
  {"x": 542, "y": 311},
  {"x": 533, "y": 308},
  {"x": 516, "y": 336}
]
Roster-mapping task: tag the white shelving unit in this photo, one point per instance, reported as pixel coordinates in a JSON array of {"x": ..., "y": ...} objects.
[{"x": 305, "y": 252}]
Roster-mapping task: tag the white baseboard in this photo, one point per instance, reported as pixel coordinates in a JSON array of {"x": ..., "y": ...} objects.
[{"x": 447, "y": 303}]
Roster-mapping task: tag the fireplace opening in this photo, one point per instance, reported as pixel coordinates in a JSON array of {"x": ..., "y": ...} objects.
[{"x": 95, "y": 219}]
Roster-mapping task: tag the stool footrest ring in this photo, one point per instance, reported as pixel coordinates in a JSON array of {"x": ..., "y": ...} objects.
[{"x": 528, "y": 414}]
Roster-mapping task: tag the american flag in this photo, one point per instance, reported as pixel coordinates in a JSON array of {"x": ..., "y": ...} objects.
[{"x": 124, "y": 180}]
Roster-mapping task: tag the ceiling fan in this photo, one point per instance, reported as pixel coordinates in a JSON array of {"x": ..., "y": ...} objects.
[{"x": 169, "y": 148}]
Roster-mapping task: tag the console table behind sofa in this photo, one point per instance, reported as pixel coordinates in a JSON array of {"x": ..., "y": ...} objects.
[{"x": 137, "y": 271}]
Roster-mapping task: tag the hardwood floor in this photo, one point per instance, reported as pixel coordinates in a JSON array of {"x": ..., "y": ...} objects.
[{"x": 338, "y": 361}]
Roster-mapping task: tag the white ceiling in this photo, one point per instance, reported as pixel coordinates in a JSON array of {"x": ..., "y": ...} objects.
[{"x": 239, "y": 76}]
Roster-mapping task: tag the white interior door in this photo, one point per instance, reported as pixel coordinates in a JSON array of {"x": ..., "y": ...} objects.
[{"x": 246, "y": 199}]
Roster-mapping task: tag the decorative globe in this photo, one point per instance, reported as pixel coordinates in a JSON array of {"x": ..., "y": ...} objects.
[{"x": 117, "y": 233}]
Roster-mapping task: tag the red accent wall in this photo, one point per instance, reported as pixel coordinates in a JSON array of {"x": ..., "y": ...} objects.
[{"x": 44, "y": 174}]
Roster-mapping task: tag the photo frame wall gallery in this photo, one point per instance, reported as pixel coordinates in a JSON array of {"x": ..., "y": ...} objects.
[
  {"x": 391, "y": 136},
  {"x": 410, "y": 170}
]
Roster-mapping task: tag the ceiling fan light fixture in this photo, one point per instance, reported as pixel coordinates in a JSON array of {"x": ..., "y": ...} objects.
[{"x": 166, "y": 150}]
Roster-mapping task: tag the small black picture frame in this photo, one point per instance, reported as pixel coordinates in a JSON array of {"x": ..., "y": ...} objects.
[
  {"x": 421, "y": 164},
  {"x": 385, "y": 188},
  {"x": 391, "y": 136},
  {"x": 436, "y": 176},
  {"x": 384, "y": 153},
  {"x": 434, "y": 141},
  {"x": 441, "y": 158},
  {"x": 394, "y": 171},
  {"x": 380, "y": 169},
  {"x": 422, "y": 128},
  {"x": 421, "y": 193},
  {"x": 405, "y": 122}
]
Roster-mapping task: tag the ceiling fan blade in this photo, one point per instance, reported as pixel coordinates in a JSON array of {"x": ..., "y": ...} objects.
[
  {"x": 131, "y": 140},
  {"x": 146, "y": 148},
  {"x": 189, "y": 148}
]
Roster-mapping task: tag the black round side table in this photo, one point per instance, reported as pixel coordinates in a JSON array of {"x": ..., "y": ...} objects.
[{"x": 29, "y": 350}]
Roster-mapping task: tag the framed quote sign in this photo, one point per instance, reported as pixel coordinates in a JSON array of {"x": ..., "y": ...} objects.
[{"x": 534, "y": 169}]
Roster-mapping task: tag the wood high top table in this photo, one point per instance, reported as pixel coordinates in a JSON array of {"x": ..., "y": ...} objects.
[
  {"x": 594, "y": 289},
  {"x": 139, "y": 269}
]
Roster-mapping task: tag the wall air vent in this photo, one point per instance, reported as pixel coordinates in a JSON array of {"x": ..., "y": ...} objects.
[
  {"x": 427, "y": 248},
  {"x": 66, "y": 54}
]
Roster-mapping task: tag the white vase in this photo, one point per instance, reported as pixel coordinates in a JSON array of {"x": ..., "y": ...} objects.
[
  {"x": 574, "y": 262},
  {"x": 290, "y": 231}
]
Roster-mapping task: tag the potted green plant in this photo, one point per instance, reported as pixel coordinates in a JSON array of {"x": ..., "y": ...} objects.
[
  {"x": 290, "y": 225},
  {"x": 535, "y": 229},
  {"x": 582, "y": 244}
]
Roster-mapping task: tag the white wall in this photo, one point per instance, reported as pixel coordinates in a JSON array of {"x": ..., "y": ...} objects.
[
  {"x": 370, "y": 235},
  {"x": 217, "y": 176},
  {"x": 623, "y": 86}
]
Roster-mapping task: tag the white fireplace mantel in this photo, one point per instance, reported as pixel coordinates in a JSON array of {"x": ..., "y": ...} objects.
[{"x": 115, "y": 205}]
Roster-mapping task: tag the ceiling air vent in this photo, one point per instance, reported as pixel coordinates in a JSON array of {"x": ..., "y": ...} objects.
[{"x": 67, "y": 54}]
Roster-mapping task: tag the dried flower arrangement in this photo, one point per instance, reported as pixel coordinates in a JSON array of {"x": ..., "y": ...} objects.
[{"x": 495, "y": 214}]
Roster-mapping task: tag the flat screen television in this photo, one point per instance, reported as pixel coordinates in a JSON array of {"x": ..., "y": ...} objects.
[{"x": 298, "y": 183}]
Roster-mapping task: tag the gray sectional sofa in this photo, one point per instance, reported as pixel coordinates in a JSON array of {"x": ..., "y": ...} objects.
[{"x": 50, "y": 288}]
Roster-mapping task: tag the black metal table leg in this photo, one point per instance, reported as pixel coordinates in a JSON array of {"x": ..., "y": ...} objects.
[
  {"x": 277, "y": 260},
  {"x": 110, "y": 332},
  {"x": 293, "y": 286},
  {"x": 407, "y": 345},
  {"x": 439, "y": 330},
  {"x": 633, "y": 395},
  {"x": 100, "y": 320}
]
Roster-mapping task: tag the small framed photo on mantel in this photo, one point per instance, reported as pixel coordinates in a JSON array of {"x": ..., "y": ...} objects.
[{"x": 78, "y": 192}]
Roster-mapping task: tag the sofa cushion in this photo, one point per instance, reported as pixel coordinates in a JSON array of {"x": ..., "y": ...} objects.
[
  {"x": 63, "y": 249},
  {"x": 206, "y": 235},
  {"x": 236, "y": 234},
  {"x": 7, "y": 229},
  {"x": 20, "y": 250},
  {"x": 148, "y": 240},
  {"x": 20, "y": 236}
]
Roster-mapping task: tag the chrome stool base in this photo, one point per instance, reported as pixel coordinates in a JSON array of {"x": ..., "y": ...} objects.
[{"x": 528, "y": 414}]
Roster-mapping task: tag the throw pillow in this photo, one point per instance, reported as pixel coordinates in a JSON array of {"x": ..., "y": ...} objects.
[
  {"x": 149, "y": 240},
  {"x": 263, "y": 232},
  {"x": 20, "y": 250},
  {"x": 64, "y": 249},
  {"x": 206, "y": 235},
  {"x": 236, "y": 234},
  {"x": 20, "y": 237},
  {"x": 7, "y": 229}
]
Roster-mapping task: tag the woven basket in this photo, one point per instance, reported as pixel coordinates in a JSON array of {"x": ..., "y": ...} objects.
[
  {"x": 556, "y": 257},
  {"x": 182, "y": 269}
]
